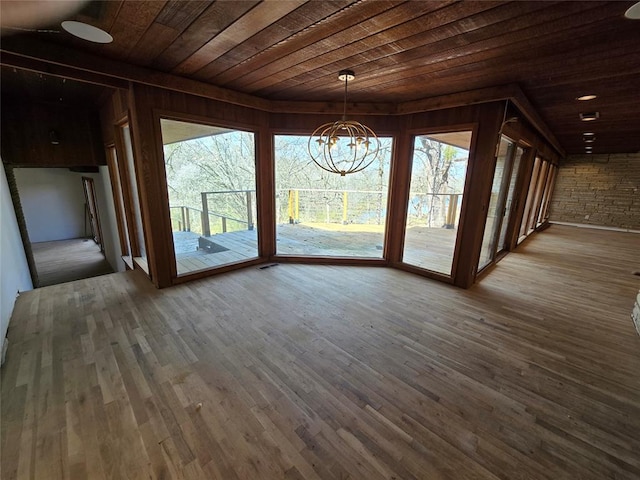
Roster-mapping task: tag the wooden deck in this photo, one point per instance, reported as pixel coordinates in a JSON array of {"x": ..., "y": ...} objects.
[
  {"x": 325, "y": 372},
  {"x": 430, "y": 248},
  {"x": 235, "y": 246}
]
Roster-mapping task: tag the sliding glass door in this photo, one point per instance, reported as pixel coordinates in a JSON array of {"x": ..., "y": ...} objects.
[
  {"x": 211, "y": 178},
  {"x": 501, "y": 203},
  {"x": 538, "y": 197},
  {"x": 438, "y": 173}
]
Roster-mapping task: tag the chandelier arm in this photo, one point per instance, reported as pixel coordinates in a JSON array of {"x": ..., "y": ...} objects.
[
  {"x": 333, "y": 130},
  {"x": 344, "y": 146}
]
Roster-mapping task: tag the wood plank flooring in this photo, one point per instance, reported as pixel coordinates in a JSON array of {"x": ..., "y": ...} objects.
[
  {"x": 430, "y": 248},
  {"x": 67, "y": 260},
  {"x": 325, "y": 372}
]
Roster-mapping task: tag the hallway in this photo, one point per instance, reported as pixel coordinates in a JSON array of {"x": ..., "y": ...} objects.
[{"x": 67, "y": 260}]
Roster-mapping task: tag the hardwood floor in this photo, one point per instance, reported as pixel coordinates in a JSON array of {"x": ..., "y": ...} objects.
[
  {"x": 430, "y": 248},
  {"x": 67, "y": 260},
  {"x": 323, "y": 372}
]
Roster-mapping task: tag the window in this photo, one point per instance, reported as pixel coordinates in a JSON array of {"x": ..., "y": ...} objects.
[
  {"x": 211, "y": 178},
  {"x": 439, "y": 167},
  {"x": 538, "y": 197},
  {"x": 323, "y": 214}
]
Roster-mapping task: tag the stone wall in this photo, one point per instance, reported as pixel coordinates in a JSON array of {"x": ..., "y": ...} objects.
[{"x": 599, "y": 190}]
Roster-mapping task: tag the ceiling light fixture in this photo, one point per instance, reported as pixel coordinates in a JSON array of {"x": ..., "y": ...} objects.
[
  {"x": 633, "y": 12},
  {"x": 589, "y": 117},
  {"x": 87, "y": 32},
  {"x": 589, "y": 139},
  {"x": 584, "y": 98},
  {"x": 588, "y": 134},
  {"x": 344, "y": 146}
]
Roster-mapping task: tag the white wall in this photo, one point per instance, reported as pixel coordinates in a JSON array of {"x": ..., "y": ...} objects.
[
  {"x": 53, "y": 203},
  {"x": 14, "y": 270}
]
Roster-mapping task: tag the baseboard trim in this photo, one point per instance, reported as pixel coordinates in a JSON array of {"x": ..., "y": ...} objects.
[{"x": 595, "y": 227}]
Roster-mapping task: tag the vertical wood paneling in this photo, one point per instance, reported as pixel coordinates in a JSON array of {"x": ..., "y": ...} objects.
[
  {"x": 477, "y": 193},
  {"x": 26, "y": 134},
  {"x": 399, "y": 192},
  {"x": 266, "y": 191},
  {"x": 152, "y": 183}
]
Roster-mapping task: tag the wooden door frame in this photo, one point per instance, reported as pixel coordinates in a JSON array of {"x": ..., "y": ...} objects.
[
  {"x": 125, "y": 186},
  {"x": 91, "y": 200},
  {"x": 118, "y": 201}
]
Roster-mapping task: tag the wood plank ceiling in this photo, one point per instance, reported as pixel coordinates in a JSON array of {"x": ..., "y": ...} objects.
[{"x": 400, "y": 50}]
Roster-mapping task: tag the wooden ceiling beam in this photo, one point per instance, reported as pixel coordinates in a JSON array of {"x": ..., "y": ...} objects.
[
  {"x": 86, "y": 67},
  {"x": 10, "y": 59},
  {"x": 84, "y": 63}
]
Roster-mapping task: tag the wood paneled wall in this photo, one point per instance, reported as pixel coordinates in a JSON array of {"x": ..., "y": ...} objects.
[
  {"x": 485, "y": 120},
  {"x": 113, "y": 110},
  {"x": 147, "y": 104},
  {"x": 26, "y": 135}
]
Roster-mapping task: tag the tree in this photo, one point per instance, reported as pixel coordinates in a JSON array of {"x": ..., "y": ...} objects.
[
  {"x": 433, "y": 175},
  {"x": 221, "y": 162}
]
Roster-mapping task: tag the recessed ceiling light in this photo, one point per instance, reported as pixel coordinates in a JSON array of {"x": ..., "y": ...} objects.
[
  {"x": 589, "y": 117},
  {"x": 588, "y": 134},
  {"x": 633, "y": 12},
  {"x": 87, "y": 32},
  {"x": 584, "y": 98},
  {"x": 589, "y": 139}
]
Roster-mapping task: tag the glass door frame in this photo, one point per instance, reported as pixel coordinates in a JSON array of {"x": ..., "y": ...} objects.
[
  {"x": 405, "y": 152},
  {"x": 260, "y": 175},
  {"x": 498, "y": 248}
]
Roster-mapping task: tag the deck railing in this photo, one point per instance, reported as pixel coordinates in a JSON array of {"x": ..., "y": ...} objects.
[
  {"x": 363, "y": 207},
  {"x": 220, "y": 212},
  {"x": 232, "y": 210}
]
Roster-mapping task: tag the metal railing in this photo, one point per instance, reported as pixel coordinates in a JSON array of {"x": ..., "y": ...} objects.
[
  {"x": 232, "y": 210},
  {"x": 363, "y": 207},
  {"x": 220, "y": 212},
  {"x": 438, "y": 210}
]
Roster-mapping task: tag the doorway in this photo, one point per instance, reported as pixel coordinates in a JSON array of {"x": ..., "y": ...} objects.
[{"x": 66, "y": 240}]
